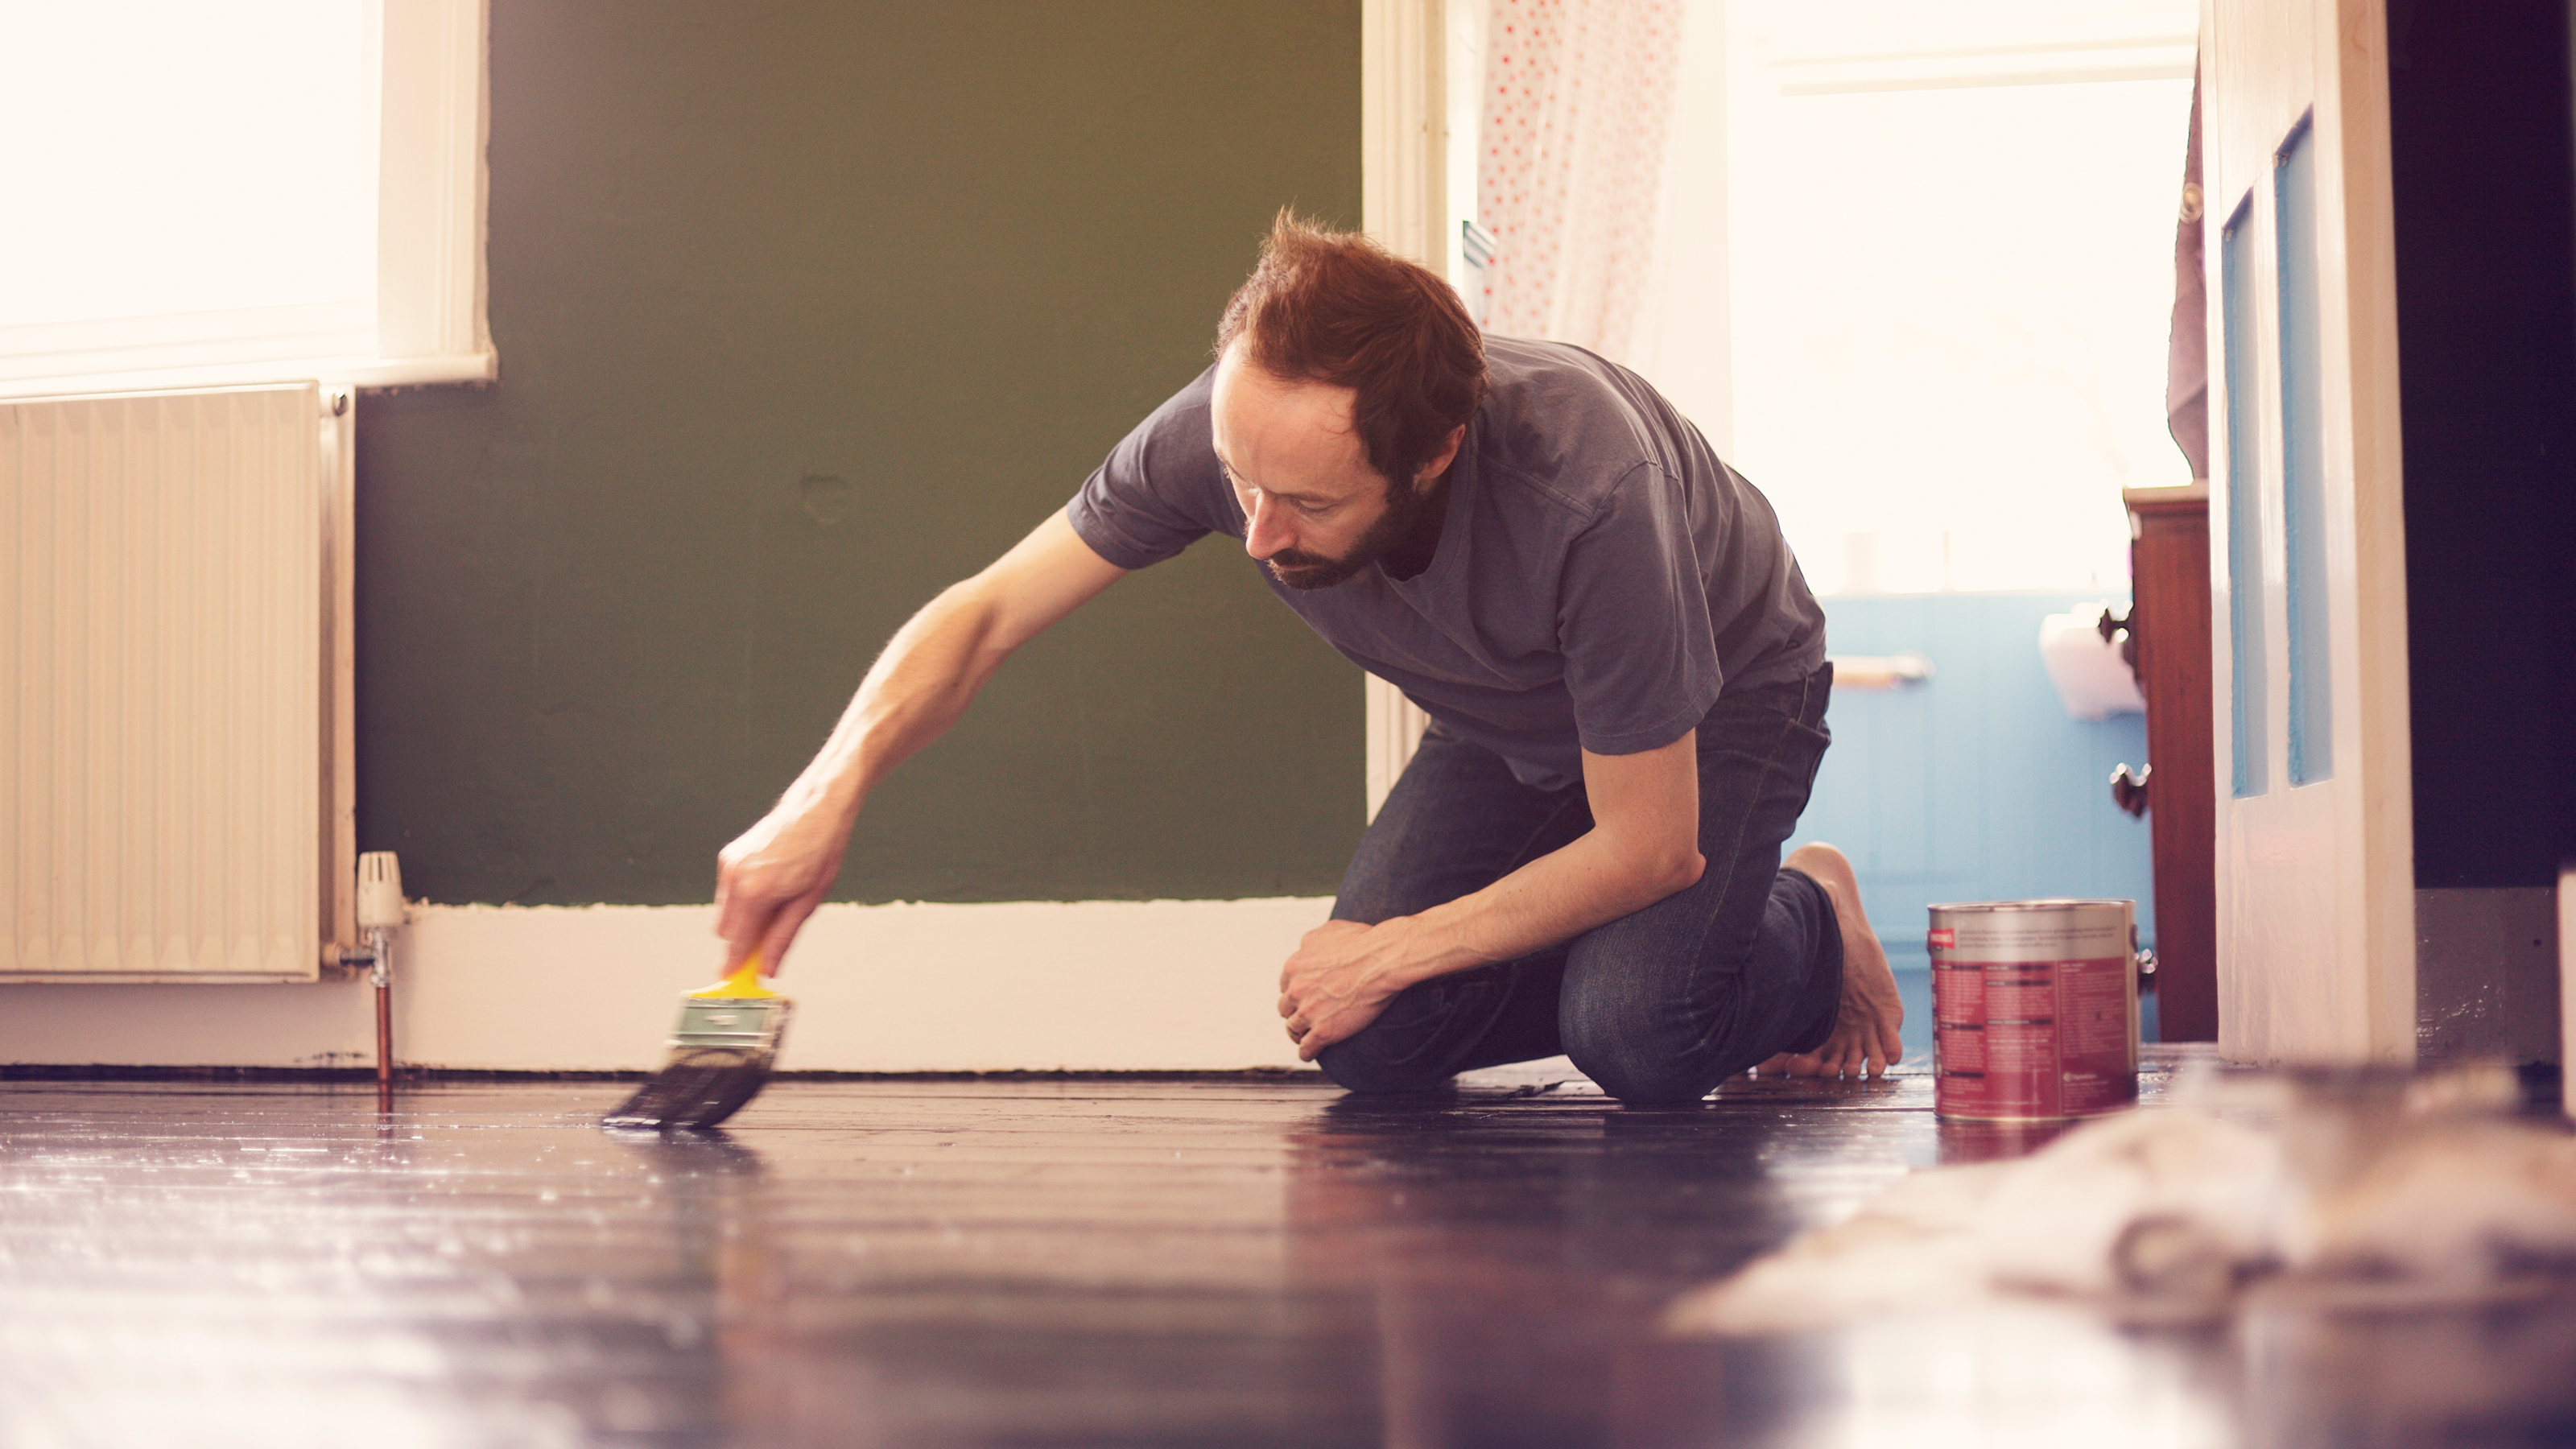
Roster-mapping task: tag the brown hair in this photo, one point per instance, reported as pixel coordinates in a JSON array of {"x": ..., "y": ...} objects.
[{"x": 1335, "y": 307}]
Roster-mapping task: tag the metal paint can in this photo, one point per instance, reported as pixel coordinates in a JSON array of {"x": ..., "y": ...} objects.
[{"x": 2034, "y": 1009}]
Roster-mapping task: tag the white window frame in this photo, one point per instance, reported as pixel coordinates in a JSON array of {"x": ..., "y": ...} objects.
[
  {"x": 430, "y": 84},
  {"x": 1408, "y": 158}
]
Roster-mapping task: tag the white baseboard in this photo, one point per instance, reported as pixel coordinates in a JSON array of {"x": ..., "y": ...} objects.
[{"x": 1034, "y": 985}]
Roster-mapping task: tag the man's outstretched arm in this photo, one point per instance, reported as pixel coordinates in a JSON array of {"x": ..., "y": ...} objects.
[{"x": 773, "y": 876}]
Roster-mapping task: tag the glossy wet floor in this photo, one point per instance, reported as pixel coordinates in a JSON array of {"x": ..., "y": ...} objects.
[{"x": 1114, "y": 1262}]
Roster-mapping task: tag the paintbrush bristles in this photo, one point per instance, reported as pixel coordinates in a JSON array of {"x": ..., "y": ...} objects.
[
  {"x": 695, "y": 1093},
  {"x": 720, "y": 1059}
]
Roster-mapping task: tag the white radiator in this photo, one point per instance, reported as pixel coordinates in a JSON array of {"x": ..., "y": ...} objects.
[{"x": 174, "y": 711}]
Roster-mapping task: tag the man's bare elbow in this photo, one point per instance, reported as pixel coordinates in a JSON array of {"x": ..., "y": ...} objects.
[
  {"x": 978, "y": 591},
  {"x": 1684, "y": 870},
  {"x": 1667, "y": 872},
  {"x": 963, "y": 624}
]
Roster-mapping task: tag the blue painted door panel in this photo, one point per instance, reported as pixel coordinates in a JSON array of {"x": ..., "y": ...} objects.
[{"x": 2303, "y": 445}]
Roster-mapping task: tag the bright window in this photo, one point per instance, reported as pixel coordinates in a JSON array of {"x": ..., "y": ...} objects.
[
  {"x": 1951, "y": 253},
  {"x": 260, "y": 189}
]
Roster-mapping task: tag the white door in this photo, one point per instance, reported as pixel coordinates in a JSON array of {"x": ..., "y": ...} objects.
[{"x": 2316, "y": 957}]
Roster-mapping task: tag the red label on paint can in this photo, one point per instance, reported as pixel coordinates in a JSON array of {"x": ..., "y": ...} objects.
[{"x": 2034, "y": 1010}]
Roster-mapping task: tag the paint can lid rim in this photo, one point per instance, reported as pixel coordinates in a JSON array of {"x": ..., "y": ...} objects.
[{"x": 2055, "y": 904}]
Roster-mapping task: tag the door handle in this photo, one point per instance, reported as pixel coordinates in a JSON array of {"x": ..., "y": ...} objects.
[
  {"x": 2129, "y": 791},
  {"x": 2123, "y": 632}
]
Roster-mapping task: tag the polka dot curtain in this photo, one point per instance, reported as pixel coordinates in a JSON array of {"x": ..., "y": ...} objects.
[{"x": 1578, "y": 105}]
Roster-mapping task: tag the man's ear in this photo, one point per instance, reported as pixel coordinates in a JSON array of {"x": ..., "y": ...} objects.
[{"x": 1439, "y": 464}]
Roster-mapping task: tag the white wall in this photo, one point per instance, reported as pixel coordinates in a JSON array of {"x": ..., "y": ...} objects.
[{"x": 1085, "y": 985}]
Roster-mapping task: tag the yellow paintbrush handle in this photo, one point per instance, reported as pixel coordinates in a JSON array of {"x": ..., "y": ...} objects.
[{"x": 744, "y": 983}]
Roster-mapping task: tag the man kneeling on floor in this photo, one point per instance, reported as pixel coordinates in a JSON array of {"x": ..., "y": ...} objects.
[{"x": 1624, "y": 670}]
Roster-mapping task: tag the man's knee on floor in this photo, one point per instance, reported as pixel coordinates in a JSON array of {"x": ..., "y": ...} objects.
[
  {"x": 1636, "y": 1058},
  {"x": 1365, "y": 1065},
  {"x": 1647, "y": 1084}
]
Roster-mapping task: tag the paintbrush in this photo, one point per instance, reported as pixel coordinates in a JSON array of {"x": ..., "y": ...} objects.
[{"x": 721, "y": 1054}]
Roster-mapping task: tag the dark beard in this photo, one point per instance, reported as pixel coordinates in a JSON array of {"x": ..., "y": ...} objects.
[{"x": 1405, "y": 513}]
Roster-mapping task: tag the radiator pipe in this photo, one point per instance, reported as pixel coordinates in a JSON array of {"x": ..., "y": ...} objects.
[
  {"x": 381, "y": 909},
  {"x": 381, "y": 977}
]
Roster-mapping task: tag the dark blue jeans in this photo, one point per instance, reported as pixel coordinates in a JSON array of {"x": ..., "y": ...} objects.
[{"x": 1659, "y": 1006}]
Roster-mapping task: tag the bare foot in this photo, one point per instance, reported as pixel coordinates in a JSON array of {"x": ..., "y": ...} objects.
[{"x": 1866, "y": 1025}]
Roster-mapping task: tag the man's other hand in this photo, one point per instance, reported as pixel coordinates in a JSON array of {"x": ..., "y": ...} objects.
[
  {"x": 773, "y": 876},
  {"x": 1342, "y": 975}
]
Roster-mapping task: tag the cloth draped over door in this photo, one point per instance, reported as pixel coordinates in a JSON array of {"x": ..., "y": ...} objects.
[
  {"x": 1578, "y": 111},
  {"x": 2187, "y": 353}
]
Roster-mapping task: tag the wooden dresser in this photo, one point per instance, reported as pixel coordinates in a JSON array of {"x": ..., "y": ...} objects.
[{"x": 2169, "y": 620}]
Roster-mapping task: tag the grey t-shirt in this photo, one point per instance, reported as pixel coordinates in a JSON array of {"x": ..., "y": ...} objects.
[{"x": 1600, "y": 578}]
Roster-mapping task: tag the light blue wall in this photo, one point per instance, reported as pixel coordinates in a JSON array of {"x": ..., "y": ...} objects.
[{"x": 1975, "y": 786}]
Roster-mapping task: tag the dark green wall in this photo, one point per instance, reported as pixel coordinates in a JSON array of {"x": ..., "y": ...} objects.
[{"x": 804, "y": 311}]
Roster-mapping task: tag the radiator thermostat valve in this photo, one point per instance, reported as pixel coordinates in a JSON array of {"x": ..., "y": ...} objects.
[{"x": 380, "y": 896}]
